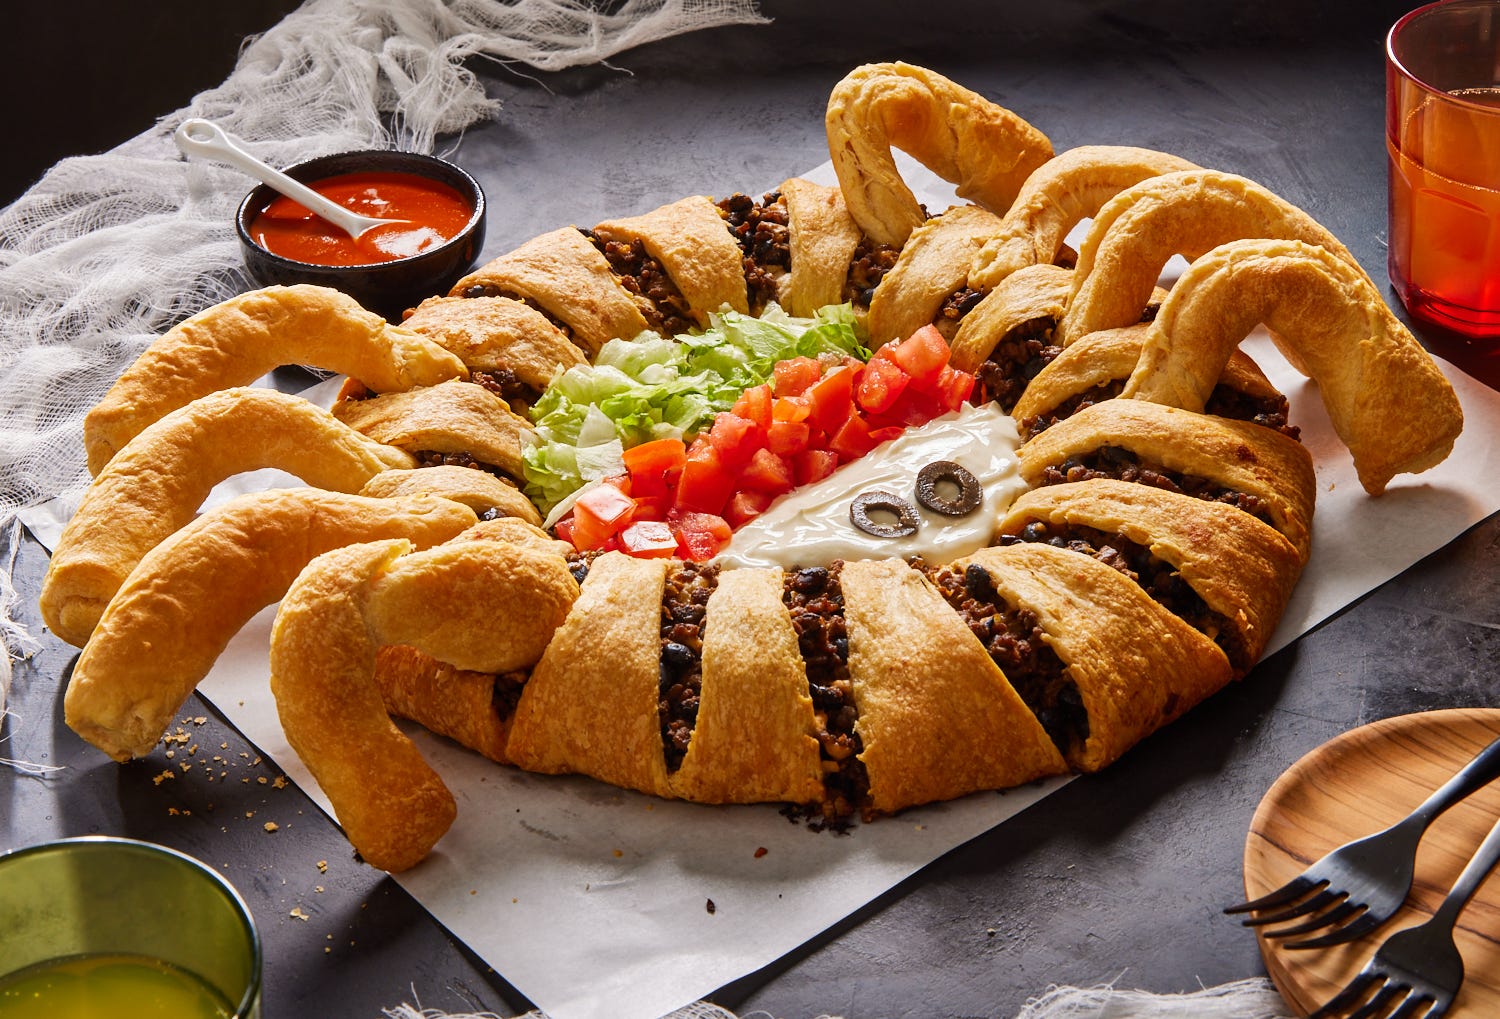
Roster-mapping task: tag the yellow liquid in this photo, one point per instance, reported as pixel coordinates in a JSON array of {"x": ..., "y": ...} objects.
[{"x": 108, "y": 987}]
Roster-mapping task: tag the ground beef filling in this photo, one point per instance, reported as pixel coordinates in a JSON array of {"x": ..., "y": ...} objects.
[
  {"x": 1014, "y": 641},
  {"x": 492, "y": 290},
  {"x": 1015, "y": 361},
  {"x": 1038, "y": 423},
  {"x": 504, "y": 384},
  {"x": 684, "y": 608},
  {"x": 1123, "y": 465},
  {"x": 1268, "y": 411},
  {"x": 665, "y": 308},
  {"x": 1157, "y": 578},
  {"x": 761, "y": 230},
  {"x": 958, "y": 304},
  {"x": 815, "y": 599},
  {"x": 867, "y": 268},
  {"x": 579, "y": 563}
]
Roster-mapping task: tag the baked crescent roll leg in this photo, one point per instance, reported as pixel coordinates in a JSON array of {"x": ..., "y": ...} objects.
[
  {"x": 985, "y": 150},
  {"x": 236, "y": 342},
  {"x": 189, "y": 595},
  {"x": 1259, "y": 470},
  {"x": 755, "y": 737},
  {"x": 564, "y": 275},
  {"x": 1026, "y": 305},
  {"x": 485, "y": 494},
  {"x": 1387, "y": 399},
  {"x": 1220, "y": 570},
  {"x": 498, "y": 335},
  {"x": 693, "y": 245},
  {"x": 454, "y": 419},
  {"x": 393, "y": 807},
  {"x": 1183, "y": 213},
  {"x": 1060, "y": 194},
  {"x": 590, "y": 706},
  {"x": 932, "y": 267},
  {"x": 823, "y": 238},
  {"x": 156, "y": 483},
  {"x": 936, "y": 716},
  {"x": 1097, "y": 367},
  {"x": 1131, "y": 665}
]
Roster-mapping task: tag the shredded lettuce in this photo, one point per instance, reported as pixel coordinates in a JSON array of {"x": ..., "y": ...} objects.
[{"x": 654, "y": 387}]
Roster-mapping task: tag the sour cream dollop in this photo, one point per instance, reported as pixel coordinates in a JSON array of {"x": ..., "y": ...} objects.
[{"x": 811, "y": 527}]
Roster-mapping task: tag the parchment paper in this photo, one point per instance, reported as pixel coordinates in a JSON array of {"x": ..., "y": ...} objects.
[{"x": 602, "y": 904}]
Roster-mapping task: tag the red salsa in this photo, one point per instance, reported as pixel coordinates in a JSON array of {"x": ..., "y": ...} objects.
[{"x": 436, "y": 213}]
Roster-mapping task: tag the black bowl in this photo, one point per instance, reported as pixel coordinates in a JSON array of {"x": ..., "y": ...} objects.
[{"x": 388, "y": 288}]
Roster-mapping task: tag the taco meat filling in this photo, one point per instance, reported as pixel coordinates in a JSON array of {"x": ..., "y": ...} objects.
[
  {"x": 1015, "y": 361},
  {"x": 1267, "y": 411},
  {"x": 495, "y": 290},
  {"x": 1123, "y": 465},
  {"x": 1014, "y": 641},
  {"x": 867, "y": 268},
  {"x": 815, "y": 599},
  {"x": 664, "y": 307},
  {"x": 958, "y": 304},
  {"x": 764, "y": 238},
  {"x": 1156, "y": 577},
  {"x": 684, "y": 606}
]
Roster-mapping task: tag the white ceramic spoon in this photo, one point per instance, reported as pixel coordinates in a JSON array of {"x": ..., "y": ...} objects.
[{"x": 204, "y": 138}]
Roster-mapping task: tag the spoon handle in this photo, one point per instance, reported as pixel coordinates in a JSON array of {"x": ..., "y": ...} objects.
[{"x": 199, "y": 137}]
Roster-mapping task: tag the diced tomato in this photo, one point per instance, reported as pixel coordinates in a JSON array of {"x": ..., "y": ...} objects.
[
  {"x": 705, "y": 484},
  {"x": 953, "y": 388},
  {"x": 793, "y": 376},
  {"x": 700, "y": 535},
  {"x": 604, "y": 505},
  {"x": 651, "y": 507},
  {"x": 832, "y": 398},
  {"x": 881, "y": 385},
  {"x": 683, "y": 521},
  {"x": 813, "y": 465},
  {"x": 923, "y": 355},
  {"x": 588, "y": 533},
  {"x": 755, "y": 405},
  {"x": 885, "y": 434},
  {"x": 852, "y": 440},
  {"x": 654, "y": 466},
  {"x": 745, "y": 506},
  {"x": 767, "y": 472},
  {"x": 788, "y": 437},
  {"x": 564, "y": 530},
  {"x": 790, "y": 408},
  {"x": 735, "y": 438},
  {"x": 649, "y": 539}
]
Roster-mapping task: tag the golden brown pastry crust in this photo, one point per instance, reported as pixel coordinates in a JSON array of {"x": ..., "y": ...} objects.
[
  {"x": 156, "y": 483},
  {"x": 1237, "y": 455},
  {"x": 932, "y": 266},
  {"x": 590, "y": 705},
  {"x": 451, "y": 417},
  {"x": 985, "y": 150},
  {"x": 393, "y": 807},
  {"x": 190, "y": 594},
  {"x": 237, "y": 341},
  {"x": 693, "y": 244},
  {"x": 1137, "y": 666},
  {"x": 1385, "y": 396},
  {"x": 1060, "y": 194},
  {"x": 479, "y": 490},
  {"x": 571, "y": 280},
  {"x": 1184, "y": 213},
  {"x": 1035, "y": 293},
  {"x": 937, "y": 717},
  {"x": 1243, "y": 569},
  {"x": 823, "y": 238},
  {"x": 497, "y": 333},
  {"x": 756, "y": 737}
]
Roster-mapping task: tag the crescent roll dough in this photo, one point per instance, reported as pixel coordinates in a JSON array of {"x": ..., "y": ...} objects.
[
  {"x": 1037, "y": 292},
  {"x": 236, "y": 342},
  {"x": 823, "y": 238},
  {"x": 1386, "y": 398},
  {"x": 497, "y": 333},
  {"x": 451, "y": 417},
  {"x": 689, "y": 238},
  {"x": 931, "y": 267},
  {"x": 985, "y": 150},
  {"x": 479, "y": 490},
  {"x": 190, "y": 594},
  {"x": 1060, "y": 194},
  {"x": 570, "y": 279},
  {"x": 156, "y": 483},
  {"x": 1236, "y": 455}
]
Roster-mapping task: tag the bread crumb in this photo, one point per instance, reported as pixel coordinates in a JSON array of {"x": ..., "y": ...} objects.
[
  {"x": 298, "y": 914},
  {"x": 249, "y": 813},
  {"x": 318, "y": 889},
  {"x": 322, "y": 866},
  {"x": 270, "y": 826},
  {"x": 201, "y": 719},
  {"x": 280, "y": 782},
  {"x": 761, "y": 851},
  {"x": 159, "y": 779},
  {"x": 619, "y": 853}
]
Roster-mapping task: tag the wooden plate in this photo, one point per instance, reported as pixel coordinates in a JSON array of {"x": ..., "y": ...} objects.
[{"x": 1359, "y": 783}]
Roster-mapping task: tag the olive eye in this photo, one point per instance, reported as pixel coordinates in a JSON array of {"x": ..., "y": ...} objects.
[
  {"x": 935, "y": 488},
  {"x": 886, "y": 505}
]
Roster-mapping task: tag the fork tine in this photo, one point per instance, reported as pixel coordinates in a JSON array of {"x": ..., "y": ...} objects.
[
  {"x": 1306, "y": 906},
  {"x": 1418, "y": 1005},
  {"x": 1381, "y": 1001},
  {"x": 1352, "y": 993},
  {"x": 1327, "y": 918},
  {"x": 1293, "y": 889},
  {"x": 1351, "y": 931}
]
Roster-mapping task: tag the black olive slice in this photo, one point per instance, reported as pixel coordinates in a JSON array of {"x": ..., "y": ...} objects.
[
  {"x": 930, "y": 494},
  {"x": 863, "y": 504}
]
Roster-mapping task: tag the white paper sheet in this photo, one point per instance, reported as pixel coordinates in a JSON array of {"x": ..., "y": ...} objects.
[{"x": 593, "y": 901}]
